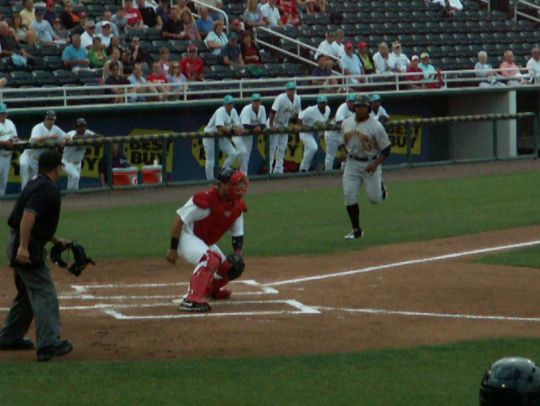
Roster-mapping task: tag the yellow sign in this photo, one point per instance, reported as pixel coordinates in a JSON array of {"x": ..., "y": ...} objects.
[{"x": 398, "y": 137}]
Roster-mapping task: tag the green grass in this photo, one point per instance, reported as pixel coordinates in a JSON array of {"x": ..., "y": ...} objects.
[
  {"x": 526, "y": 257},
  {"x": 431, "y": 375},
  {"x": 314, "y": 221}
]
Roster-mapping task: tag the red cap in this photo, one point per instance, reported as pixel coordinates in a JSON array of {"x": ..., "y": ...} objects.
[
  {"x": 236, "y": 21},
  {"x": 50, "y": 3},
  {"x": 348, "y": 45},
  {"x": 83, "y": 14},
  {"x": 362, "y": 45},
  {"x": 192, "y": 48}
]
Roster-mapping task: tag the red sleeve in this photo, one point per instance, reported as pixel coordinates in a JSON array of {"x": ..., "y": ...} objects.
[{"x": 183, "y": 64}]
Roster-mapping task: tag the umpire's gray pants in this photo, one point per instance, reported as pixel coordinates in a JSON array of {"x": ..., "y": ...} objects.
[{"x": 36, "y": 297}]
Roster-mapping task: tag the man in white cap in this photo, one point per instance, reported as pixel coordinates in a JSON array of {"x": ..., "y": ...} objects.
[
  {"x": 253, "y": 119},
  {"x": 225, "y": 120},
  {"x": 285, "y": 109},
  {"x": 8, "y": 135},
  {"x": 318, "y": 114},
  {"x": 45, "y": 131},
  {"x": 402, "y": 62},
  {"x": 74, "y": 155},
  {"x": 87, "y": 36},
  {"x": 334, "y": 139}
]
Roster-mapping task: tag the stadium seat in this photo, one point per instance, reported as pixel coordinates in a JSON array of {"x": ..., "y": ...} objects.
[
  {"x": 20, "y": 78},
  {"x": 43, "y": 77},
  {"x": 63, "y": 77},
  {"x": 53, "y": 62}
]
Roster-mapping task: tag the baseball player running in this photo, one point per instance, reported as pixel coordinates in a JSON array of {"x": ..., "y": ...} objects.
[
  {"x": 367, "y": 145},
  {"x": 8, "y": 135},
  {"x": 253, "y": 119},
  {"x": 196, "y": 229},
  {"x": 226, "y": 121},
  {"x": 285, "y": 109},
  {"x": 45, "y": 131},
  {"x": 333, "y": 139},
  {"x": 74, "y": 155},
  {"x": 314, "y": 115}
]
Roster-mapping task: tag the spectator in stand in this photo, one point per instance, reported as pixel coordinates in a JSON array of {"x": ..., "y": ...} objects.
[
  {"x": 216, "y": 39},
  {"x": 42, "y": 28},
  {"x": 11, "y": 48},
  {"x": 106, "y": 35},
  {"x": 430, "y": 73},
  {"x": 87, "y": 36},
  {"x": 81, "y": 27},
  {"x": 149, "y": 15},
  {"x": 510, "y": 70},
  {"x": 385, "y": 64},
  {"x": 325, "y": 73},
  {"x": 164, "y": 60},
  {"x": 75, "y": 56},
  {"x": 176, "y": 79},
  {"x": 173, "y": 28},
  {"x": 134, "y": 17},
  {"x": 97, "y": 55},
  {"x": 205, "y": 24},
  {"x": 115, "y": 43},
  {"x": 28, "y": 13},
  {"x": 449, "y": 6},
  {"x": 107, "y": 19},
  {"x": 270, "y": 14},
  {"x": 116, "y": 79},
  {"x": 60, "y": 32},
  {"x": 533, "y": 65},
  {"x": 484, "y": 71},
  {"x": 402, "y": 62},
  {"x": 338, "y": 45},
  {"x": 253, "y": 16},
  {"x": 189, "y": 27},
  {"x": 113, "y": 58},
  {"x": 159, "y": 78},
  {"x": 183, "y": 5},
  {"x": 70, "y": 19},
  {"x": 192, "y": 65},
  {"x": 316, "y": 7},
  {"x": 22, "y": 34},
  {"x": 138, "y": 54},
  {"x": 250, "y": 53},
  {"x": 237, "y": 27},
  {"x": 416, "y": 74},
  {"x": 142, "y": 90},
  {"x": 216, "y": 15},
  {"x": 350, "y": 64},
  {"x": 326, "y": 50},
  {"x": 50, "y": 12},
  {"x": 368, "y": 65},
  {"x": 164, "y": 10},
  {"x": 120, "y": 20},
  {"x": 127, "y": 61},
  {"x": 289, "y": 12},
  {"x": 231, "y": 55}
]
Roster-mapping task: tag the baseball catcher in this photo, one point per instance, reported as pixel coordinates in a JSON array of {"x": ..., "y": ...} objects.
[
  {"x": 80, "y": 259},
  {"x": 198, "y": 226}
]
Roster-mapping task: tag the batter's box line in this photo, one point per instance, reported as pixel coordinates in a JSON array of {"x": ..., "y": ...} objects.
[{"x": 299, "y": 307}]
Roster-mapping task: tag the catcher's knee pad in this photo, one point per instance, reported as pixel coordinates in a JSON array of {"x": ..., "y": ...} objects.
[{"x": 201, "y": 279}]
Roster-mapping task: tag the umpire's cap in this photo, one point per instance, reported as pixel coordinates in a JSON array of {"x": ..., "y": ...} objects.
[
  {"x": 49, "y": 160},
  {"x": 81, "y": 122},
  {"x": 363, "y": 101}
]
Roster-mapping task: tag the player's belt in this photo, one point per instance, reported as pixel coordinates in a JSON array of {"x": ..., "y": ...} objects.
[{"x": 362, "y": 159}]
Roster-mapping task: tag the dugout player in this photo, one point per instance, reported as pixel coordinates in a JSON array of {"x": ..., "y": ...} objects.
[
  {"x": 367, "y": 145},
  {"x": 198, "y": 226},
  {"x": 253, "y": 119},
  {"x": 319, "y": 114},
  {"x": 333, "y": 138},
  {"x": 74, "y": 155},
  {"x": 8, "y": 135},
  {"x": 33, "y": 223}
]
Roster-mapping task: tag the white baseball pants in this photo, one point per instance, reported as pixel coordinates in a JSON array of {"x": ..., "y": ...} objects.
[
  {"x": 355, "y": 175},
  {"x": 310, "y": 149},
  {"x": 28, "y": 168},
  {"x": 73, "y": 172},
  {"x": 278, "y": 147},
  {"x": 5, "y": 166},
  {"x": 226, "y": 146},
  {"x": 332, "y": 139},
  {"x": 243, "y": 145}
]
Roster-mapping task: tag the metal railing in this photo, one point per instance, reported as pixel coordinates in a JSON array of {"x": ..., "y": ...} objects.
[
  {"x": 220, "y": 11},
  {"x": 529, "y": 5}
]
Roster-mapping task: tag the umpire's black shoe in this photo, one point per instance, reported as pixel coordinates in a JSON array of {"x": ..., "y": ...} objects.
[
  {"x": 62, "y": 347},
  {"x": 20, "y": 344},
  {"x": 354, "y": 234},
  {"x": 194, "y": 307}
]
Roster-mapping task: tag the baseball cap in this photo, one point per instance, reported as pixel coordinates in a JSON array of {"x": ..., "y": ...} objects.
[
  {"x": 50, "y": 114},
  {"x": 49, "y": 160},
  {"x": 290, "y": 86},
  {"x": 50, "y": 3},
  {"x": 106, "y": 24},
  {"x": 322, "y": 99},
  {"x": 415, "y": 58},
  {"x": 83, "y": 14},
  {"x": 40, "y": 11},
  {"x": 362, "y": 45},
  {"x": 90, "y": 24},
  {"x": 351, "y": 97},
  {"x": 424, "y": 55},
  {"x": 256, "y": 96},
  {"x": 228, "y": 99},
  {"x": 3, "y": 108},
  {"x": 192, "y": 48},
  {"x": 348, "y": 45},
  {"x": 81, "y": 122},
  {"x": 236, "y": 22},
  {"x": 396, "y": 44},
  {"x": 375, "y": 98}
]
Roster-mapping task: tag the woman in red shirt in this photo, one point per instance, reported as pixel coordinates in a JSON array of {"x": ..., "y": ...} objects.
[
  {"x": 288, "y": 11},
  {"x": 250, "y": 53}
]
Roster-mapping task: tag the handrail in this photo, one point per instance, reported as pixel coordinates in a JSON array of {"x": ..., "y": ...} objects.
[
  {"x": 522, "y": 14},
  {"x": 220, "y": 11}
]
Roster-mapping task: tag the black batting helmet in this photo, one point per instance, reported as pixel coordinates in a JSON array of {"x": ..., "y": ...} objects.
[
  {"x": 511, "y": 381},
  {"x": 363, "y": 101},
  {"x": 225, "y": 174}
]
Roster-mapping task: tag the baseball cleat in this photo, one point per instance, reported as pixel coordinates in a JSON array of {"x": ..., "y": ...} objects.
[
  {"x": 354, "y": 234},
  {"x": 16, "y": 345},
  {"x": 384, "y": 191},
  {"x": 194, "y": 307},
  {"x": 222, "y": 294}
]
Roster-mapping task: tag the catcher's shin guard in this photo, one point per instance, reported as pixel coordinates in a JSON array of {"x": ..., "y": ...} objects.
[
  {"x": 201, "y": 279},
  {"x": 220, "y": 279}
]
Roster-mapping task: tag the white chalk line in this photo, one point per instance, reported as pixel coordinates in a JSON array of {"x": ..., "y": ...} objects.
[
  {"x": 408, "y": 313},
  {"x": 404, "y": 263}
]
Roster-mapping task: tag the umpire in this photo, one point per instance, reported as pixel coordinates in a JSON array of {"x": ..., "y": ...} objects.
[{"x": 33, "y": 223}]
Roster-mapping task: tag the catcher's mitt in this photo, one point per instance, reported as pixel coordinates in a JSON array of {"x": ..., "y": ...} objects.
[
  {"x": 237, "y": 266},
  {"x": 80, "y": 258}
]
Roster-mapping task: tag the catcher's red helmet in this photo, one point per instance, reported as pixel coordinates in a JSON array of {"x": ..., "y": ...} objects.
[{"x": 238, "y": 185}]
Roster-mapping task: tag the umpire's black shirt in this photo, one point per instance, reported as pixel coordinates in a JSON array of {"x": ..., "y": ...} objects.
[{"x": 41, "y": 196}]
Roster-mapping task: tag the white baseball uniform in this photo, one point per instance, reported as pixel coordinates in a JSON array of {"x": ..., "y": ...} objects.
[
  {"x": 334, "y": 138},
  {"x": 72, "y": 159},
  {"x": 381, "y": 113},
  {"x": 363, "y": 142},
  {"x": 310, "y": 117},
  {"x": 8, "y": 132},
  {"x": 220, "y": 118},
  {"x": 284, "y": 110},
  {"x": 29, "y": 158},
  {"x": 249, "y": 119}
]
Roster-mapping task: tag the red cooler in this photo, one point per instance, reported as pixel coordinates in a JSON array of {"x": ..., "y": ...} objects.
[
  {"x": 151, "y": 174},
  {"x": 125, "y": 176}
]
